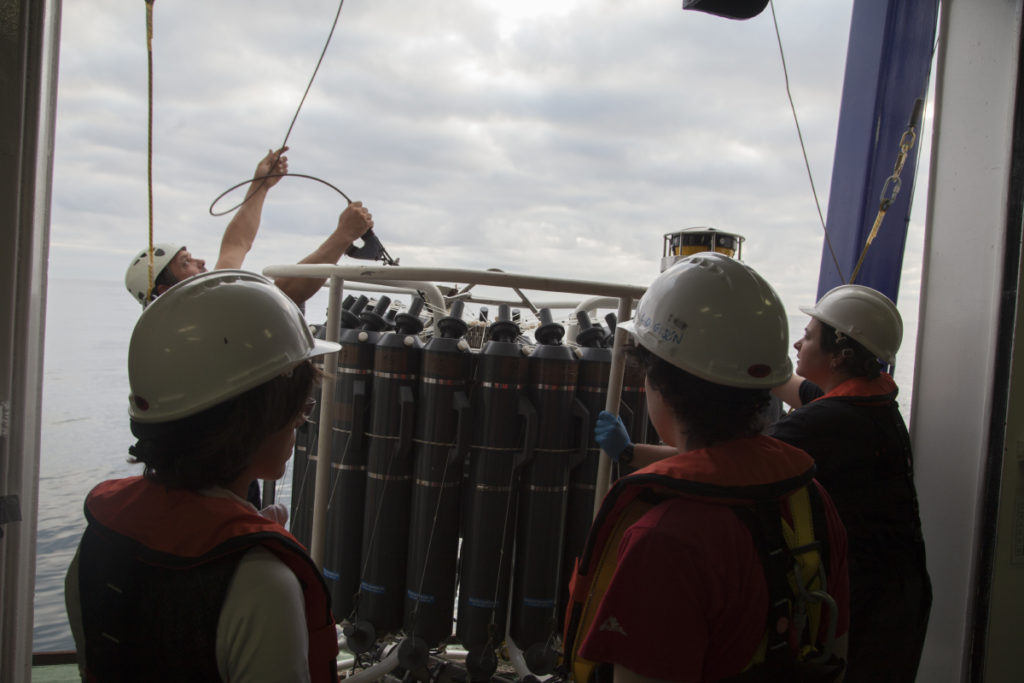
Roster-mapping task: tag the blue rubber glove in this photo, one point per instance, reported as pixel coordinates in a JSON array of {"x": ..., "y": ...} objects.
[{"x": 611, "y": 434}]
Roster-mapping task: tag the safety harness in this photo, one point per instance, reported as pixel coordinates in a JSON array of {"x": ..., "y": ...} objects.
[
  {"x": 769, "y": 486},
  {"x": 794, "y": 556}
]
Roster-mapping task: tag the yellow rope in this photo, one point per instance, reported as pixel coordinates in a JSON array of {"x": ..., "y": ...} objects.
[{"x": 149, "y": 156}]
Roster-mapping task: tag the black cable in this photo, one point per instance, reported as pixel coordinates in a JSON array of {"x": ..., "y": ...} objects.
[
  {"x": 803, "y": 148},
  {"x": 377, "y": 250},
  {"x": 264, "y": 177},
  {"x": 309, "y": 85}
]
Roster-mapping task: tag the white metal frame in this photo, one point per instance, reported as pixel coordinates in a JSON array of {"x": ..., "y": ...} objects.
[{"x": 470, "y": 297}]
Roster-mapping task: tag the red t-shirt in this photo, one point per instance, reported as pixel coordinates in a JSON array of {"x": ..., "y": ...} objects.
[{"x": 688, "y": 600}]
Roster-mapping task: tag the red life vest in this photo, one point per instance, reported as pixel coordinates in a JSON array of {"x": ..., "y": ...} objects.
[
  {"x": 183, "y": 530},
  {"x": 735, "y": 473}
]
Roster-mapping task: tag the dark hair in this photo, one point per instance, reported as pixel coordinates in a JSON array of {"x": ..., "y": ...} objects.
[
  {"x": 165, "y": 277},
  {"x": 713, "y": 412},
  {"x": 213, "y": 448},
  {"x": 851, "y": 354}
]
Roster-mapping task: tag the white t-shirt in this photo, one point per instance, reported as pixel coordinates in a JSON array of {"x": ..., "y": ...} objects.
[{"x": 261, "y": 632}]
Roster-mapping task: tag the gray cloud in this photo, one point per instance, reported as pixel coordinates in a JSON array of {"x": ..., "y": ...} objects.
[{"x": 566, "y": 141}]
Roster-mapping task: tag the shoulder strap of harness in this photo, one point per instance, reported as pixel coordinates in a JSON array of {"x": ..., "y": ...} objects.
[
  {"x": 794, "y": 555},
  {"x": 584, "y": 613}
]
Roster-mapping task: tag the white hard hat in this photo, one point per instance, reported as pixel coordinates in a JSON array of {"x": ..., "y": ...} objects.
[
  {"x": 136, "y": 278},
  {"x": 715, "y": 318},
  {"x": 210, "y": 338},
  {"x": 865, "y": 315}
]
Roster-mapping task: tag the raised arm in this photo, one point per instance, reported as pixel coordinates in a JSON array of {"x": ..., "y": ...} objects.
[
  {"x": 353, "y": 222},
  {"x": 241, "y": 231}
]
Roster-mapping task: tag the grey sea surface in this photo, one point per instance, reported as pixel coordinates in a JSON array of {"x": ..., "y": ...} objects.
[
  {"x": 85, "y": 434},
  {"x": 85, "y": 431}
]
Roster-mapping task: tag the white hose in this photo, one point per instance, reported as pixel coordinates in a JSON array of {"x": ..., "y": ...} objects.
[
  {"x": 515, "y": 655},
  {"x": 377, "y": 671}
]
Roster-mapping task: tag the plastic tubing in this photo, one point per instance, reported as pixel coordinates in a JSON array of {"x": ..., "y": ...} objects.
[
  {"x": 515, "y": 655},
  {"x": 378, "y": 670}
]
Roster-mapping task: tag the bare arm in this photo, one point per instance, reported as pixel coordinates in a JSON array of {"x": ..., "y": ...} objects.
[
  {"x": 354, "y": 221},
  {"x": 241, "y": 231},
  {"x": 790, "y": 391},
  {"x": 645, "y": 454}
]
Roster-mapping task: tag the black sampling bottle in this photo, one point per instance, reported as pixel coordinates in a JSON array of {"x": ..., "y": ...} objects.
[
  {"x": 358, "y": 337},
  {"x": 592, "y": 391},
  {"x": 441, "y": 443},
  {"x": 396, "y": 366},
  {"x": 562, "y": 422},
  {"x": 503, "y": 435}
]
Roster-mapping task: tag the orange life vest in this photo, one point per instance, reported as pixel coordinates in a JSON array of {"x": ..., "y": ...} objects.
[{"x": 179, "y": 529}]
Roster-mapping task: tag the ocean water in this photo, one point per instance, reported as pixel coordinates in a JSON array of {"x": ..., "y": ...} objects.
[
  {"x": 85, "y": 435},
  {"x": 85, "y": 432}
]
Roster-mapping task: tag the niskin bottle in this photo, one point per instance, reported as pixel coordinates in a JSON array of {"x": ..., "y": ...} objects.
[
  {"x": 504, "y": 431},
  {"x": 358, "y": 338},
  {"x": 443, "y": 431},
  {"x": 562, "y": 422},
  {"x": 592, "y": 391},
  {"x": 396, "y": 365}
]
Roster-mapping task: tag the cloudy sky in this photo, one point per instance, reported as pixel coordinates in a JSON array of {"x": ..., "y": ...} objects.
[{"x": 539, "y": 137}]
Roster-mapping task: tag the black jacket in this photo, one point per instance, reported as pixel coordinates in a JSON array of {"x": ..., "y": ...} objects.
[{"x": 860, "y": 444}]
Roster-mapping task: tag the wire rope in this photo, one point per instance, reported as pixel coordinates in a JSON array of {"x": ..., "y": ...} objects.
[
  {"x": 803, "y": 148},
  {"x": 291, "y": 125},
  {"x": 430, "y": 543},
  {"x": 509, "y": 515},
  {"x": 382, "y": 495},
  {"x": 264, "y": 177}
]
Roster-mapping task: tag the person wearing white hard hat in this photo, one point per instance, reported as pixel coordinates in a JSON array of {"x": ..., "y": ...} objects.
[
  {"x": 692, "y": 556},
  {"x": 177, "y": 577},
  {"x": 173, "y": 262},
  {"x": 846, "y": 417}
]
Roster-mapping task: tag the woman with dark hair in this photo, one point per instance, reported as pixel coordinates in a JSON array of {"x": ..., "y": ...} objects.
[
  {"x": 724, "y": 561},
  {"x": 177, "y": 576},
  {"x": 846, "y": 417}
]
